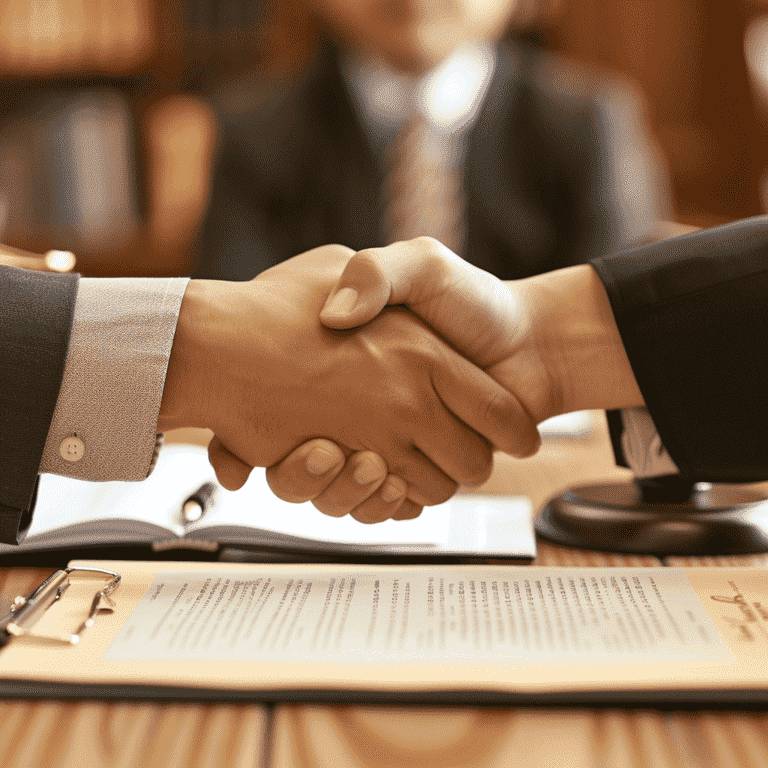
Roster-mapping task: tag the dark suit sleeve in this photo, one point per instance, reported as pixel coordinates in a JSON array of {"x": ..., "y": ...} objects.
[
  {"x": 693, "y": 315},
  {"x": 36, "y": 311}
]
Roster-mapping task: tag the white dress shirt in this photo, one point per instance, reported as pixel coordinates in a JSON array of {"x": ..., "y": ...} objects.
[
  {"x": 449, "y": 97},
  {"x": 643, "y": 449}
]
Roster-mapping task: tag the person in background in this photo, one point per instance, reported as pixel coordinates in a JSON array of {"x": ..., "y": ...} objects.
[
  {"x": 673, "y": 333},
  {"x": 428, "y": 119}
]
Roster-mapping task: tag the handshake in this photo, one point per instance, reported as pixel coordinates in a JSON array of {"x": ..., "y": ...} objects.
[{"x": 373, "y": 383}]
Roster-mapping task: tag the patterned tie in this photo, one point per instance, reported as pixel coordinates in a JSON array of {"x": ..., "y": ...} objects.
[{"x": 423, "y": 187}]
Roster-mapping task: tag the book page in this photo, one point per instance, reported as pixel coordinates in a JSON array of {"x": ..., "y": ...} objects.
[
  {"x": 74, "y": 513},
  {"x": 410, "y": 616},
  {"x": 131, "y": 507}
]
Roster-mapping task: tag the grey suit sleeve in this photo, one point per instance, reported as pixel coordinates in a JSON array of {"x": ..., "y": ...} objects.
[{"x": 114, "y": 377}]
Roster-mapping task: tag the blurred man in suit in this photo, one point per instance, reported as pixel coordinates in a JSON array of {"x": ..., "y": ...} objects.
[{"x": 417, "y": 119}]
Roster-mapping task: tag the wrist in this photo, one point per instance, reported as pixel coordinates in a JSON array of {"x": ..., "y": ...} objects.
[
  {"x": 580, "y": 342},
  {"x": 185, "y": 390}
]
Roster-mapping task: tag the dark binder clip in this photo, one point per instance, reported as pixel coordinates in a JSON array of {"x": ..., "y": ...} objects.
[{"x": 26, "y": 611}]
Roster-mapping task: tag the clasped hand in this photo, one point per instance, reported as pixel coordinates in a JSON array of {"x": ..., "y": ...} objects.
[
  {"x": 253, "y": 362},
  {"x": 412, "y": 418}
]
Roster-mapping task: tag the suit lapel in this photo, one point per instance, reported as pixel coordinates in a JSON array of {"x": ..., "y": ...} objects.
[
  {"x": 350, "y": 191},
  {"x": 510, "y": 231}
]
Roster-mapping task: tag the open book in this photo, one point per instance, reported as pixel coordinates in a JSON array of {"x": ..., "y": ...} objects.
[
  {"x": 74, "y": 515},
  {"x": 421, "y": 633}
]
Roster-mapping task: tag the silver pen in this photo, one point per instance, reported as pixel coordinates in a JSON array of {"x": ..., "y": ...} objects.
[{"x": 197, "y": 503}]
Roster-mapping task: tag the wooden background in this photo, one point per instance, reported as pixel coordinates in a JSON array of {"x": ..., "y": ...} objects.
[{"x": 686, "y": 55}]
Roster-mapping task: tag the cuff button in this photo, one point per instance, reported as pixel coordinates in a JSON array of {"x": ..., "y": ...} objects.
[{"x": 72, "y": 448}]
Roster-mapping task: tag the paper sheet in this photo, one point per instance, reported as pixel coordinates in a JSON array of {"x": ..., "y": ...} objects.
[{"x": 544, "y": 616}]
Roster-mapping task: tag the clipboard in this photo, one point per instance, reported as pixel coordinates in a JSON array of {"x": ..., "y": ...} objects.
[{"x": 718, "y": 661}]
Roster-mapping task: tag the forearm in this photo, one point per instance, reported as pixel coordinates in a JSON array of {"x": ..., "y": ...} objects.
[{"x": 208, "y": 352}]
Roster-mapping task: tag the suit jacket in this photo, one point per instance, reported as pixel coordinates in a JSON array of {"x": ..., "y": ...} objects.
[
  {"x": 559, "y": 168},
  {"x": 36, "y": 311},
  {"x": 693, "y": 315}
]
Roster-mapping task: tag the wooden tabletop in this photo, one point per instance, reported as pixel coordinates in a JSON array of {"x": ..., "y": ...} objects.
[{"x": 95, "y": 734}]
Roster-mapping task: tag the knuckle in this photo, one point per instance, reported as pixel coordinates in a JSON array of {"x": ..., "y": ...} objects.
[
  {"x": 366, "y": 256},
  {"x": 343, "y": 250},
  {"x": 530, "y": 446},
  {"x": 406, "y": 408},
  {"x": 365, "y": 264},
  {"x": 329, "y": 508},
  {"x": 368, "y": 517},
  {"x": 408, "y": 511},
  {"x": 428, "y": 243},
  {"x": 286, "y": 493},
  {"x": 392, "y": 492},
  {"x": 497, "y": 411},
  {"x": 369, "y": 458},
  {"x": 434, "y": 253}
]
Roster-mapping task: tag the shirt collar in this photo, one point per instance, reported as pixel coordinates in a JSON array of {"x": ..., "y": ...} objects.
[{"x": 449, "y": 96}]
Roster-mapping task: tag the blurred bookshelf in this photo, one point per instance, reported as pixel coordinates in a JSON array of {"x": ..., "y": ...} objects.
[
  {"x": 52, "y": 38},
  {"x": 104, "y": 147},
  {"x": 106, "y": 141}
]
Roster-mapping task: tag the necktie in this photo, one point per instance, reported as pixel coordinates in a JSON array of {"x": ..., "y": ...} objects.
[{"x": 423, "y": 187}]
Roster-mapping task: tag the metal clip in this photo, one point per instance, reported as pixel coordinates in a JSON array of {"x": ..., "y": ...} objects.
[{"x": 26, "y": 611}]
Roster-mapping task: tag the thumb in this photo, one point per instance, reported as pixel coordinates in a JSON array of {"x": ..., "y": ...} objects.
[
  {"x": 469, "y": 308},
  {"x": 361, "y": 292},
  {"x": 411, "y": 272}
]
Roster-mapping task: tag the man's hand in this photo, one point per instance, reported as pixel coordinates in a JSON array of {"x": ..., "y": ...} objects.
[
  {"x": 252, "y": 362},
  {"x": 549, "y": 339}
]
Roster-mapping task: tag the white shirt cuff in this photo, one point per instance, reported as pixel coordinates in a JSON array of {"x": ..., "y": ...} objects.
[
  {"x": 105, "y": 420},
  {"x": 643, "y": 449}
]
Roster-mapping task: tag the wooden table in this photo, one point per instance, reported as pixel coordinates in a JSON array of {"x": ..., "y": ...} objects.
[{"x": 93, "y": 734}]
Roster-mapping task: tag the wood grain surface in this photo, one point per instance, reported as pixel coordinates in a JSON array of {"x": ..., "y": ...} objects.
[{"x": 89, "y": 734}]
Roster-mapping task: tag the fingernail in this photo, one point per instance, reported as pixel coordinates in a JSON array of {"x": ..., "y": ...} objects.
[
  {"x": 342, "y": 303},
  {"x": 367, "y": 471},
  {"x": 319, "y": 461},
  {"x": 390, "y": 492}
]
